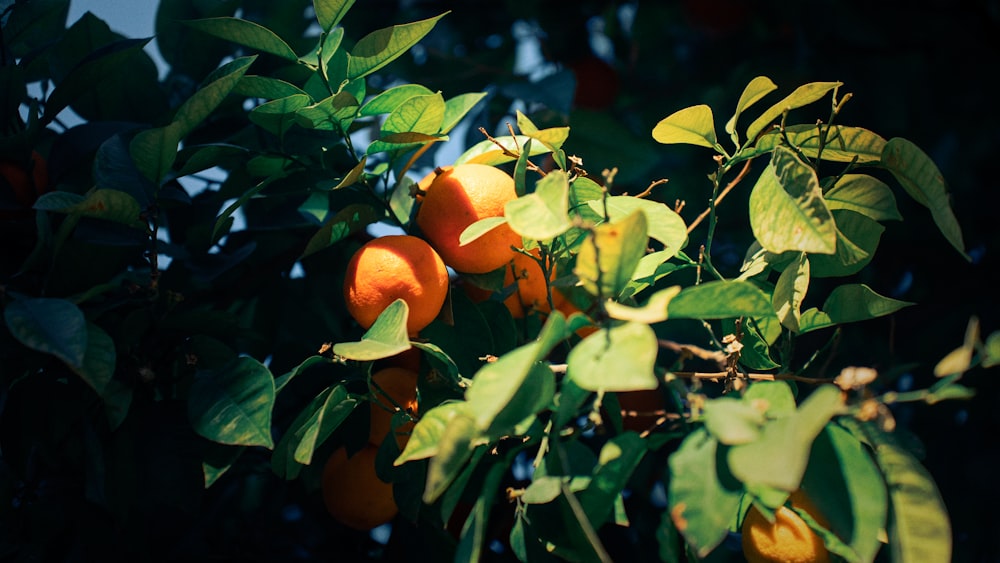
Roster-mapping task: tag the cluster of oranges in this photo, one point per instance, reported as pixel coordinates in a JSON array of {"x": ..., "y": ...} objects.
[
  {"x": 352, "y": 490},
  {"x": 415, "y": 269}
]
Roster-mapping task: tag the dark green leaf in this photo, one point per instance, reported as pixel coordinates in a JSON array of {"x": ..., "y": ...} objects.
[
  {"x": 278, "y": 115},
  {"x": 52, "y": 326},
  {"x": 386, "y": 337},
  {"x": 246, "y": 33},
  {"x": 265, "y": 87},
  {"x": 720, "y": 300},
  {"x": 232, "y": 405},
  {"x": 426, "y": 435},
  {"x": 330, "y": 12},
  {"x": 310, "y": 429},
  {"x": 109, "y": 205},
  {"x": 199, "y": 106},
  {"x": 790, "y": 291},
  {"x": 857, "y": 302},
  {"x": 347, "y": 221}
]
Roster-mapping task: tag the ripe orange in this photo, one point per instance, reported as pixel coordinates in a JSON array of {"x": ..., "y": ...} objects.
[
  {"x": 531, "y": 293},
  {"x": 353, "y": 493},
  {"x": 396, "y": 267},
  {"x": 22, "y": 183},
  {"x": 399, "y": 384},
  {"x": 786, "y": 540},
  {"x": 458, "y": 196}
]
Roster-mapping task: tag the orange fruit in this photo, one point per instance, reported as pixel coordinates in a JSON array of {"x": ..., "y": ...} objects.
[
  {"x": 531, "y": 293},
  {"x": 353, "y": 493},
  {"x": 399, "y": 384},
  {"x": 787, "y": 540},
  {"x": 458, "y": 196},
  {"x": 22, "y": 183},
  {"x": 396, "y": 267}
]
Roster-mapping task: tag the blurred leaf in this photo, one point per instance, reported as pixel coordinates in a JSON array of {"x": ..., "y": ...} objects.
[
  {"x": 100, "y": 65},
  {"x": 114, "y": 169},
  {"x": 621, "y": 358},
  {"x": 386, "y": 337},
  {"x": 32, "y": 25},
  {"x": 653, "y": 311},
  {"x": 694, "y": 126},
  {"x": 232, "y": 405},
  {"x": 224, "y": 221},
  {"x": 665, "y": 225},
  {"x": 776, "y": 395},
  {"x": 330, "y": 12},
  {"x": 349, "y": 220},
  {"x": 454, "y": 449},
  {"x": 919, "y": 529},
  {"x": 702, "y": 496},
  {"x": 733, "y": 421},
  {"x": 863, "y": 194},
  {"x": 790, "y": 291},
  {"x": 991, "y": 350},
  {"x": 392, "y": 98},
  {"x": 759, "y": 87},
  {"x": 787, "y": 210},
  {"x": 617, "y": 460},
  {"x": 548, "y": 488},
  {"x": 381, "y": 47},
  {"x": 844, "y": 483},
  {"x": 246, "y": 33},
  {"x": 218, "y": 458},
  {"x": 49, "y": 325},
  {"x": 509, "y": 389},
  {"x": 920, "y": 177},
  {"x": 479, "y": 228},
  {"x": 779, "y": 456},
  {"x": 154, "y": 150},
  {"x": 959, "y": 360},
  {"x": 857, "y": 302},
  {"x": 843, "y": 144},
  {"x": 720, "y": 300},
  {"x": 611, "y": 253},
  {"x": 802, "y": 96},
  {"x": 541, "y": 215},
  {"x": 310, "y": 429}
]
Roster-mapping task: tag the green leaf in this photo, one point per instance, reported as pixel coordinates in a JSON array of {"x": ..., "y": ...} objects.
[
  {"x": 920, "y": 177},
  {"x": 392, "y": 98},
  {"x": 732, "y": 421},
  {"x": 458, "y": 107},
  {"x": 97, "y": 67},
  {"x": 106, "y": 204},
  {"x": 693, "y": 126},
  {"x": 754, "y": 91},
  {"x": 349, "y": 220},
  {"x": 278, "y": 115},
  {"x": 480, "y": 228},
  {"x": 386, "y": 337},
  {"x": 616, "y": 462},
  {"x": 487, "y": 152},
  {"x": 98, "y": 370},
  {"x": 621, "y": 358},
  {"x": 204, "y": 101},
  {"x": 265, "y": 87},
  {"x": 776, "y": 396},
  {"x": 246, "y": 33},
  {"x": 418, "y": 114},
  {"x": 553, "y": 137},
  {"x": 611, "y": 253},
  {"x": 154, "y": 150},
  {"x": 802, "y": 96},
  {"x": 959, "y": 360},
  {"x": 310, "y": 429},
  {"x": 51, "y": 326},
  {"x": 857, "y": 239},
  {"x": 425, "y": 438},
  {"x": 863, "y": 194},
  {"x": 232, "y": 405},
  {"x": 334, "y": 113},
  {"x": 224, "y": 221},
  {"x": 790, "y": 291},
  {"x": 844, "y": 483},
  {"x": 653, "y": 311},
  {"x": 543, "y": 214},
  {"x": 991, "y": 350},
  {"x": 778, "y": 458},
  {"x": 843, "y": 144},
  {"x": 787, "y": 210},
  {"x": 217, "y": 459},
  {"x": 857, "y": 302},
  {"x": 919, "y": 529},
  {"x": 701, "y": 495},
  {"x": 454, "y": 449},
  {"x": 381, "y": 47},
  {"x": 509, "y": 389},
  {"x": 284, "y": 379},
  {"x": 664, "y": 224},
  {"x": 720, "y": 300},
  {"x": 330, "y": 12}
]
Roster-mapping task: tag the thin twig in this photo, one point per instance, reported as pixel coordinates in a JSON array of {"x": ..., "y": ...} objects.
[{"x": 725, "y": 191}]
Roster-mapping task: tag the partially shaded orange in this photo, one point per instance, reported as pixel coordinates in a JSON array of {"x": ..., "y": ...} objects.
[
  {"x": 394, "y": 387},
  {"x": 353, "y": 493}
]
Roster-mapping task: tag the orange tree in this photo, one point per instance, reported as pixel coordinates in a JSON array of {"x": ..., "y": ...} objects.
[{"x": 179, "y": 364}]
